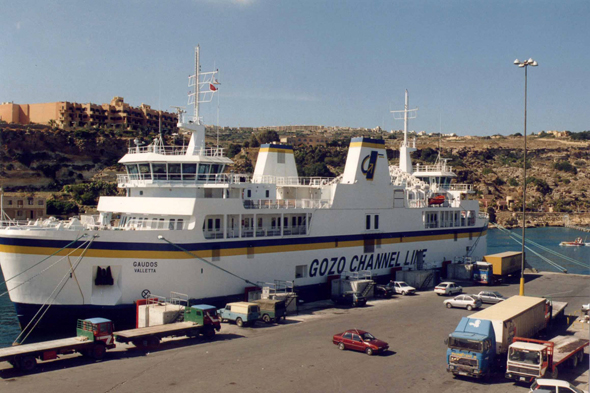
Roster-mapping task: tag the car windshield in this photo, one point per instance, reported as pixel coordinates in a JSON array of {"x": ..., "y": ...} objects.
[
  {"x": 461, "y": 343},
  {"x": 497, "y": 294},
  {"x": 403, "y": 284},
  {"x": 367, "y": 336},
  {"x": 524, "y": 356}
]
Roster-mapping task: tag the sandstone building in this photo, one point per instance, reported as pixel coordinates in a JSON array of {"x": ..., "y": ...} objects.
[{"x": 69, "y": 115}]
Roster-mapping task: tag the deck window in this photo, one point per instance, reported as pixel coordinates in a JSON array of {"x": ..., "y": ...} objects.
[
  {"x": 300, "y": 271},
  {"x": 171, "y": 224},
  {"x": 179, "y": 224}
]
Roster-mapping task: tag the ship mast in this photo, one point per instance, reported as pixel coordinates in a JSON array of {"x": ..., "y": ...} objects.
[
  {"x": 204, "y": 89},
  {"x": 405, "y": 160}
]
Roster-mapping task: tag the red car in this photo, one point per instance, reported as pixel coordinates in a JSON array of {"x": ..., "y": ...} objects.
[{"x": 359, "y": 340}]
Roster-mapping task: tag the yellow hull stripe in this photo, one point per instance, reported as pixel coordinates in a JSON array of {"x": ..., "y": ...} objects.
[
  {"x": 367, "y": 144},
  {"x": 152, "y": 255}
]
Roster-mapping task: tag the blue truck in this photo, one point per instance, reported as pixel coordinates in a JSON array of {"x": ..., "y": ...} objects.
[{"x": 480, "y": 342}]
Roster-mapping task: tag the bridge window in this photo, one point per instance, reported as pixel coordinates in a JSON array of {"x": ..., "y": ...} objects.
[
  {"x": 188, "y": 171},
  {"x": 159, "y": 171},
  {"x": 145, "y": 172},
  {"x": 174, "y": 171}
]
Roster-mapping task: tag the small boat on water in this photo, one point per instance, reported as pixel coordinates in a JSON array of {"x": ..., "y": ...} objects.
[{"x": 576, "y": 243}]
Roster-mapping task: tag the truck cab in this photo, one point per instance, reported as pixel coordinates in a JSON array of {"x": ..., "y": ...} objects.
[
  {"x": 527, "y": 361},
  {"x": 471, "y": 348},
  {"x": 483, "y": 273},
  {"x": 203, "y": 314},
  {"x": 97, "y": 330}
]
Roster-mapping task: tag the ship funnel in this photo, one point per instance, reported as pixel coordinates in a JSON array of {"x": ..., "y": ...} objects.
[
  {"x": 275, "y": 160},
  {"x": 366, "y": 162}
]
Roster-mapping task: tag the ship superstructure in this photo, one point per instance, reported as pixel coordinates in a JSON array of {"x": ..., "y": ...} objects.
[{"x": 186, "y": 221}]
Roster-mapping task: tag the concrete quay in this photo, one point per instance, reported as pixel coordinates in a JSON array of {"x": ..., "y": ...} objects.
[{"x": 298, "y": 356}]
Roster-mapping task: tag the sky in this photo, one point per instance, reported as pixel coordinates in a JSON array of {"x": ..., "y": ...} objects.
[{"x": 310, "y": 62}]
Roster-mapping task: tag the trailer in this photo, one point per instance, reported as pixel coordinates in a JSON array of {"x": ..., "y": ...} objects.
[
  {"x": 198, "y": 320},
  {"x": 480, "y": 342},
  {"x": 529, "y": 358},
  {"x": 94, "y": 337},
  {"x": 496, "y": 267}
]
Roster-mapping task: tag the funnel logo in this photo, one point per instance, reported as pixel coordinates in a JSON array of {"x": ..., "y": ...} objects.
[{"x": 368, "y": 169}]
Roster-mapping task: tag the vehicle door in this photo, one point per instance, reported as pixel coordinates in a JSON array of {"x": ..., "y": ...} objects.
[
  {"x": 347, "y": 340},
  {"x": 357, "y": 343},
  {"x": 459, "y": 301}
]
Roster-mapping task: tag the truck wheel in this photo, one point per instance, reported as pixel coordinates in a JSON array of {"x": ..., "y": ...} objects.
[
  {"x": 209, "y": 333},
  {"x": 469, "y": 308},
  {"x": 27, "y": 363},
  {"x": 266, "y": 318},
  {"x": 369, "y": 351},
  {"x": 574, "y": 361},
  {"x": 341, "y": 346},
  {"x": 98, "y": 350},
  {"x": 449, "y": 305},
  {"x": 239, "y": 322},
  {"x": 553, "y": 374}
]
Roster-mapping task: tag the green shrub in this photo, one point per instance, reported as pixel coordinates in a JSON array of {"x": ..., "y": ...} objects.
[
  {"x": 565, "y": 166},
  {"x": 61, "y": 208}
]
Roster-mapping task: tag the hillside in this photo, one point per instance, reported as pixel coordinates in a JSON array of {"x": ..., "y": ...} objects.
[{"x": 38, "y": 158}]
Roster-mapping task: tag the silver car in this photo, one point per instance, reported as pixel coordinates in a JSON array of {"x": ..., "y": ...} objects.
[
  {"x": 463, "y": 301},
  {"x": 490, "y": 297}
]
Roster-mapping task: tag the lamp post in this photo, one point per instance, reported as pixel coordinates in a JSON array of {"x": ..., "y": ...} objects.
[{"x": 524, "y": 64}]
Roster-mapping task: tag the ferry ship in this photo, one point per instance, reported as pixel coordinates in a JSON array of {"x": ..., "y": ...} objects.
[{"x": 189, "y": 224}]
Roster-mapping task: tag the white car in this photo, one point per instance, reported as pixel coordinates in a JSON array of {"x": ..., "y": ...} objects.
[
  {"x": 447, "y": 288},
  {"x": 463, "y": 301},
  {"x": 403, "y": 288},
  {"x": 555, "y": 386}
]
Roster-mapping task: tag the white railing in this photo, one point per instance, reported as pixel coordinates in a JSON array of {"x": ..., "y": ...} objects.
[
  {"x": 174, "y": 150},
  {"x": 292, "y": 180},
  {"x": 433, "y": 168},
  {"x": 458, "y": 187},
  {"x": 164, "y": 180},
  {"x": 287, "y": 204}
]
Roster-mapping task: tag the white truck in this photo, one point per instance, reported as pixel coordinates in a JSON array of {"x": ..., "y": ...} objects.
[{"x": 529, "y": 359}]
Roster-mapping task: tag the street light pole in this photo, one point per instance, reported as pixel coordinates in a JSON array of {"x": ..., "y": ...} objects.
[{"x": 525, "y": 64}]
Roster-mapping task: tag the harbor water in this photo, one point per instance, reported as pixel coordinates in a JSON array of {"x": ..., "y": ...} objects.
[{"x": 578, "y": 262}]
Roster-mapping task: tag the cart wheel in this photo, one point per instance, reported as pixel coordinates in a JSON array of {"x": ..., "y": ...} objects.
[
  {"x": 341, "y": 346},
  {"x": 266, "y": 318},
  {"x": 98, "y": 350},
  {"x": 574, "y": 361},
  {"x": 239, "y": 322},
  {"x": 209, "y": 333},
  {"x": 369, "y": 351},
  {"x": 28, "y": 363}
]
